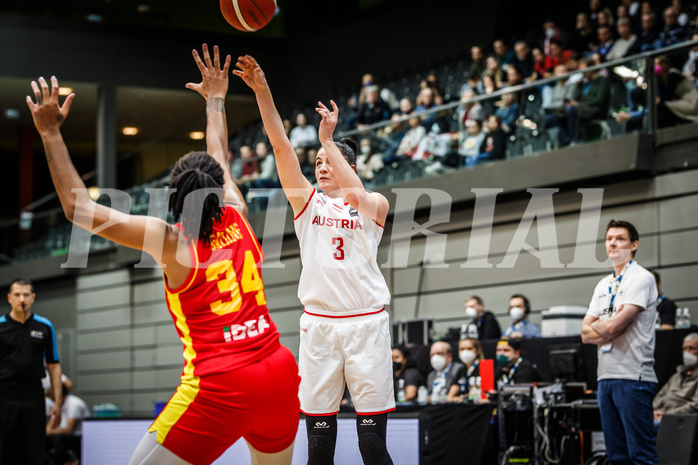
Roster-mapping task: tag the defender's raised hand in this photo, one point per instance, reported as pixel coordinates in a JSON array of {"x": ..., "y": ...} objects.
[
  {"x": 46, "y": 112},
  {"x": 250, "y": 72},
  {"x": 214, "y": 79}
]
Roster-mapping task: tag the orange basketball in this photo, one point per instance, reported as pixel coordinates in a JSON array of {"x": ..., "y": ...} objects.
[{"x": 248, "y": 15}]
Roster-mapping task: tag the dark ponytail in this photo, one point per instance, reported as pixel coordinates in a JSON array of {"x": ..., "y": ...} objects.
[
  {"x": 348, "y": 147},
  {"x": 194, "y": 171}
]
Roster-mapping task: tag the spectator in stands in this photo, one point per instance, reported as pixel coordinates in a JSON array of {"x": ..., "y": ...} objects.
[
  {"x": 552, "y": 32},
  {"x": 405, "y": 375},
  {"x": 470, "y": 353},
  {"x": 682, "y": 17},
  {"x": 495, "y": 144},
  {"x": 626, "y": 39},
  {"x": 367, "y": 161},
  {"x": 514, "y": 77},
  {"x": 524, "y": 60},
  {"x": 410, "y": 141},
  {"x": 689, "y": 69},
  {"x": 267, "y": 177},
  {"x": 373, "y": 109},
  {"x": 489, "y": 86},
  {"x": 288, "y": 126},
  {"x": 432, "y": 81},
  {"x": 470, "y": 142},
  {"x": 585, "y": 38},
  {"x": 666, "y": 308},
  {"x": 671, "y": 34},
  {"x": 519, "y": 310},
  {"x": 250, "y": 169},
  {"x": 558, "y": 56},
  {"x": 539, "y": 63},
  {"x": 426, "y": 100},
  {"x": 513, "y": 367},
  {"x": 680, "y": 393},
  {"x": 445, "y": 371},
  {"x": 508, "y": 111},
  {"x": 606, "y": 41},
  {"x": 355, "y": 101},
  {"x": 677, "y": 97},
  {"x": 63, "y": 443},
  {"x": 307, "y": 169},
  {"x": 593, "y": 103},
  {"x": 555, "y": 99},
  {"x": 469, "y": 110},
  {"x": 648, "y": 34},
  {"x": 311, "y": 154},
  {"x": 503, "y": 54},
  {"x": 483, "y": 324},
  {"x": 235, "y": 163},
  {"x": 304, "y": 134},
  {"x": 494, "y": 69},
  {"x": 622, "y": 12},
  {"x": 605, "y": 18},
  {"x": 594, "y": 9},
  {"x": 406, "y": 107},
  {"x": 633, "y": 7},
  {"x": 477, "y": 65},
  {"x": 391, "y": 136}
]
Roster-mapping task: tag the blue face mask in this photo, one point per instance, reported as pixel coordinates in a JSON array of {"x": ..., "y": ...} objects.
[{"x": 503, "y": 360}]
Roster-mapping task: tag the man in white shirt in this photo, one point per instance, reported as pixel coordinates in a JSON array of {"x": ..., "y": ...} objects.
[
  {"x": 625, "y": 40},
  {"x": 65, "y": 440},
  {"x": 620, "y": 321}
]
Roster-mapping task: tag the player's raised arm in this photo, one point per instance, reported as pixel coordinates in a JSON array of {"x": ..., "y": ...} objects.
[
  {"x": 371, "y": 204},
  {"x": 296, "y": 186},
  {"x": 214, "y": 87},
  {"x": 111, "y": 224}
]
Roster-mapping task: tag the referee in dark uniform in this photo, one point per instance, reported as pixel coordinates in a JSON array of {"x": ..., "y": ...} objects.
[{"x": 26, "y": 340}]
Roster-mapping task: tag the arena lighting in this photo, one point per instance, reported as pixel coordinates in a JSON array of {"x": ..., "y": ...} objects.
[
  {"x": 196, "y": 135},
  {"x": 129, "y": 131},
  {"x": 93, "y": 192},
  {"x": 65, "y": 91}
]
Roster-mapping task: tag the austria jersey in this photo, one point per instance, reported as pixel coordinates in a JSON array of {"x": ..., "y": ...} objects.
[
  {"x": 338, "y": 251},
  {"x": 220, "y": 312}
]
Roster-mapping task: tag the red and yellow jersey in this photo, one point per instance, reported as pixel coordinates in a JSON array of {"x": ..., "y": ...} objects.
[{"x": 220, "y": 311}]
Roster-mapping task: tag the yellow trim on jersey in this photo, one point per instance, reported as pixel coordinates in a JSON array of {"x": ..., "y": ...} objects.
[{"x": 189, "y": 388}]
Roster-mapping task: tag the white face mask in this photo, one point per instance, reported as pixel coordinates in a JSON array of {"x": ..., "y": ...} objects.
[
  {"x": 550, "y": 32},
  {"x": 470, "y": 312},
  {"x": 438, "y": 362},
  {"x": 365, "y": 149},
  {"x": 689, "y": 359},
  {"x": 516, "y": 313},
  {"x": 467, "y": 356}
]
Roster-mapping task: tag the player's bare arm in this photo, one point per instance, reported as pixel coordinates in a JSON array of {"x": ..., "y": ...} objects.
[
  {"x": 214, "y": 87},
  {"x": 296, "y": 186},
  {"x": 373, "y": 205}
]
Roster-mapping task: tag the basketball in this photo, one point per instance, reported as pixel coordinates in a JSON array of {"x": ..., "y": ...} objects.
[{"x": 248, "y": 15}]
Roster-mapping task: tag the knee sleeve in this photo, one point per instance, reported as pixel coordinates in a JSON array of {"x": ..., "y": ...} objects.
[
  {"x": 322, "y": 437},
  {"x": 371, "y": 430}
]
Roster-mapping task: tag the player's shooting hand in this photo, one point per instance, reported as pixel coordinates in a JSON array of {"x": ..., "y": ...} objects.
[
  {"x": 250, "y": 72},
  {"x": 214, "y": 79},
  {"x": 329, "y": 120},
  {"x": 46, "y": 112}
]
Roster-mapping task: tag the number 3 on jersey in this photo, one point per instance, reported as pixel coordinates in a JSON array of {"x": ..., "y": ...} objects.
[
  {"x": 338, "y": 243},
  {"x": 226, "y": 280}
]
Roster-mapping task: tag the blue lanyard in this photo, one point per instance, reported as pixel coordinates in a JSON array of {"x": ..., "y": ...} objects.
[{"x": 613, "y": 290}]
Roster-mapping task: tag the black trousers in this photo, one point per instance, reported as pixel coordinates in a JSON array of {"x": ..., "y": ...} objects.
[{"x": 22, "y": 425}]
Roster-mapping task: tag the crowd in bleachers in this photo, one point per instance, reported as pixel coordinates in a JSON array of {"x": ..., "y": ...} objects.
[{"x": 582, "y": 105}]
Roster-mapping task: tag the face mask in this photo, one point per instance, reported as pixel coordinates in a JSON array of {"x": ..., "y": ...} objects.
[
  {"x": 470, "y": 312},
  {"x": 550, "y": 32},
  {"x": 516, "y": 313},
  {"x": 658, "y": 70},
  {"x": 365, "y": 149},
  {"x": 467, "y": 356},
  {"x": 503, "y": 360},
  {"x": 397, "y": 366},
  {"x": 438, "y": 362},
  {"x": 689, "y": 359}
]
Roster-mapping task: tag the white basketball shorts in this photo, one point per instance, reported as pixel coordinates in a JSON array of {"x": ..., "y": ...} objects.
[{"x": 355, "y": 350}]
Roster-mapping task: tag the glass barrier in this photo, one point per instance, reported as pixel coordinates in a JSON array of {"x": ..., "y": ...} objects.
[{"x": 487, "y": 125}]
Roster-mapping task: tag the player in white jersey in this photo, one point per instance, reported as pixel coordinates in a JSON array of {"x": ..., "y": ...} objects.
[{"x": 345, "y": 335}]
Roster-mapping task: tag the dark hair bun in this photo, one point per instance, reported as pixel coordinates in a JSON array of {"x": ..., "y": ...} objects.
[{"x": 351, "y": 143}]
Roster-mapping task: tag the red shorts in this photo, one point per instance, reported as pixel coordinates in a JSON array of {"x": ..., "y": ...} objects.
[{"x": 258, "y": 402}]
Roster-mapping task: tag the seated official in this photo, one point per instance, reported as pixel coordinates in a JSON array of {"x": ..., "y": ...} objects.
[
  {"x": 64, "y": 443},
  {"x": 406, "y": 377},
  {"x": 680, "y": 393},
  {"x": 445, "y": 371},
  {"x": 470, "y": 353},
  {"x": 513, "y": 368},
  {"x": 483, "y": 324},
  {"x": 519, "y": 309}
]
